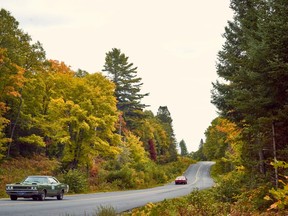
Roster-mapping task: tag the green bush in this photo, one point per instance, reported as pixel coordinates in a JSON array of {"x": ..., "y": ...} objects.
[
  {"x": 77, "y": 181},
  {"x": 229, "y": 187},
  {"x": 123, "y": 177}
]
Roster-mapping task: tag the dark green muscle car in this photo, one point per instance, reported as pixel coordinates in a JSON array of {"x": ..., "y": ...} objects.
[{"x": 37, "y": 188}]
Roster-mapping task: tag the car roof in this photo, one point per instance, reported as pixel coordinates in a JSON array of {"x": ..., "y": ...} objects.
[{"x": 39, "y": 176}]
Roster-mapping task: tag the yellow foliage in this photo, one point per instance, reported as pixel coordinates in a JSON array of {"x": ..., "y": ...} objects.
[{"x": 280, "y": 195}]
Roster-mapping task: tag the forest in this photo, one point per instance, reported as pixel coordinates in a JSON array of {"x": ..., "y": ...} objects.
[
  {"x": 90, "y": 126},
  {"x": 93, "y": 125}
]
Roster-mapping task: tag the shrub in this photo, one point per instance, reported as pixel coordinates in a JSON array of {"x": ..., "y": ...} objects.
[
  {"x": 77, "y": 181},
  {"x": 123, "y": 177},
  {"x": 230, "y": 186},
  {"x": 199, "y": 203}
]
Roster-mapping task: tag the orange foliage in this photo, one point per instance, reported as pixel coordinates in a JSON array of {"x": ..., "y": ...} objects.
[{"x": 60, "y": 67}]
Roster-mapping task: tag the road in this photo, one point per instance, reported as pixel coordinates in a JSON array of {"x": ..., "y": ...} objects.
[{"x": 86, "y": 204}]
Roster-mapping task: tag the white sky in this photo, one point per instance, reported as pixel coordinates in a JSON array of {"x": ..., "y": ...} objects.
[{"x": 174, "y": 44}]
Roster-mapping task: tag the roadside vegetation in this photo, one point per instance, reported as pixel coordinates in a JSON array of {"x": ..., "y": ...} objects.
[{"x": 105, "y": 179}]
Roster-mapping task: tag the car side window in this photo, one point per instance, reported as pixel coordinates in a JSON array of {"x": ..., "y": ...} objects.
[
  {"x": 42, "y": 180},
  {"x": 52, "y": 181}
]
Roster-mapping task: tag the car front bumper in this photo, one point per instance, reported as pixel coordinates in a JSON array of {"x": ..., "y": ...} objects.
[{"x": 22, "y": 193}]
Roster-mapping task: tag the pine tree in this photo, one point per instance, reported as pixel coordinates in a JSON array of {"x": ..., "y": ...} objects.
[
  {"x": 183, "y": 148},
  {"x": 128, "y": 85},
  {"x": 253, "y": 65},
  {"x": 164, "y": 116}
]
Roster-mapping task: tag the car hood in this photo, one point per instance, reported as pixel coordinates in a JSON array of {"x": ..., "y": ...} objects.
[{"x": 22, "y": 183}]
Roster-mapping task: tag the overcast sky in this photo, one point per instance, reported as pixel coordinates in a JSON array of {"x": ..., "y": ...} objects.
[{"x": 174, "y": 44}]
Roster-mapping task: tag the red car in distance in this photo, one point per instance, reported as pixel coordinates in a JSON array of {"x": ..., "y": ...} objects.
[{"x": 181, "y": 180}]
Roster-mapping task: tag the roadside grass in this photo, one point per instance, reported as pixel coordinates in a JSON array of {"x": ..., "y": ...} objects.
[{"x": 100, "y": 211}]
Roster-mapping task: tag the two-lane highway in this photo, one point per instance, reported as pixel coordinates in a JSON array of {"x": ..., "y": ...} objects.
[{"x": 85, "y": 204}]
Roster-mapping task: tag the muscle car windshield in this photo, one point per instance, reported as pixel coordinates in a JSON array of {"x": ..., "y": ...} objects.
[{"x": 39, "y": 180}]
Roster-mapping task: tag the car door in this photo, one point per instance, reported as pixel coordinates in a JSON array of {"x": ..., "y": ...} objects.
[{"x": 53, "y": 187}]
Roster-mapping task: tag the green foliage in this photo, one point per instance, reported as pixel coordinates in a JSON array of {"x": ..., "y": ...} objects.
[
  {"x": 33, "y": 139},
  {"x": 116, "y": 175},
  {"x": 183, "y": 148},
  {"x": 230, "y": 186},
  {"x": 165, "y": 118},
  {"x": 252, "y": 66},
  {"x": 123, "y": 178},
  {"x": 18, "y": 44},
  {"x": 77, "y": 181}
]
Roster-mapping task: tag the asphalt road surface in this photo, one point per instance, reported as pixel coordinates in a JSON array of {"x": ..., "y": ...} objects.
[{"x": 86, "y": 204}]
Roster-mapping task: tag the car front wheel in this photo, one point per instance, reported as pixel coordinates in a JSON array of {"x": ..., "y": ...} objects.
[
  {"x": 13, "y": 197},
  {"x": 42, "y": 196}
]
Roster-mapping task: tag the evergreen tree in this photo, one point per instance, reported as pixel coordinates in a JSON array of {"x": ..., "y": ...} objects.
[
  {"x": 128, "y": 85},
  {"x": 164, "y": 116},
  {"x": 253, "y": 65},
  {"x": 199, "y": 155},
  {"x": 183, "y": 148}
]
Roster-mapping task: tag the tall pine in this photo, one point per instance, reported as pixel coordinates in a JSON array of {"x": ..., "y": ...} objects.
[
  {"x": 165, "y": 118},
  {"x": 128, "y": 85},
  {"x": 253, "y": 69}
]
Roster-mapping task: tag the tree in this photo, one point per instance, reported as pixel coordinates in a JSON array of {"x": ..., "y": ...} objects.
[
  {"x": 152, "y": 150},
  {"x": 150, "y": 130},
  {"x": 20, "y": 61},
  {"x": 199, "y": 154},
  {"x": 18, "y": 44},
  {"x": 253, "y": 65},
  {"x": 87, "y": 114},
  {"x": 135, "y": 147},
  {"x": 128, "y": 85},
  {"x": 183, "y": 148},
  {"x": 164, "y": 116}
]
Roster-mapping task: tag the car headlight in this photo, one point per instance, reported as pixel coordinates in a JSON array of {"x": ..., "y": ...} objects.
[
  {"x": 9, "y": 188},
  {"x": 34, "y": 188}
]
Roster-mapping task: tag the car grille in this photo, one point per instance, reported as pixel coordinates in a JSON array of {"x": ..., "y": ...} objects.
[{"x": 22, "y": 187}]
